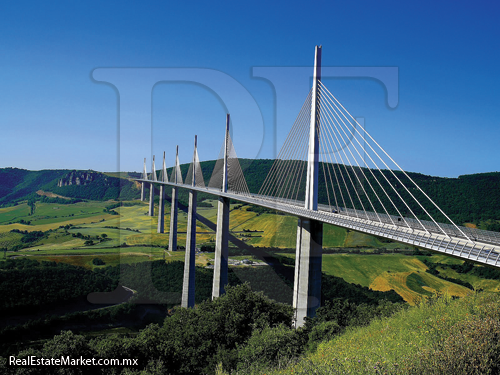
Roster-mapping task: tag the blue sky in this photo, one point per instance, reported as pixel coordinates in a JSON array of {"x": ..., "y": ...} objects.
[{"x": 56, "y": 111}]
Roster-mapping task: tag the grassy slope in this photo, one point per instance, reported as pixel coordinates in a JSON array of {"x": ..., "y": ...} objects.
[{"x": 413, "y": 341}]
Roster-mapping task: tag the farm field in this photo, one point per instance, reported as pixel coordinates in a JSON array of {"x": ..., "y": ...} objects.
[
  {"x": 91, "y": 220},
  {"x": 83, "y": 231},
  {"x": 404, "y": 274}
]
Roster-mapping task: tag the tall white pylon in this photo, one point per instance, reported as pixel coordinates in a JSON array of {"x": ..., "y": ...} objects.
[
  {"x": 144, "y": 177},
  {"x": 161, "y": 202},
  {"x": 220, "y": 279},
  {"x": 152, "y": 189},
  {"x": 307, "y": 281}
]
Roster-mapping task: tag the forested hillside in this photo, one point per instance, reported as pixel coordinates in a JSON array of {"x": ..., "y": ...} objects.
[
  {"x": 19, "y": 185},
  {"x": 470, "y": 198}
]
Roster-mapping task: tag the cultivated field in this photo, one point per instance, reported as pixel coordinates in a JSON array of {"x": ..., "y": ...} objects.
[{"x": 80, "y": 232}]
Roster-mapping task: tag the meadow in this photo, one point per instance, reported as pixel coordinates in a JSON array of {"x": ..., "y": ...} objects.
[{"x": 77, "y": 233}]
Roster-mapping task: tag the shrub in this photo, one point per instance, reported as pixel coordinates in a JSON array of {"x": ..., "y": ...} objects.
[
  {"x": 98, "y": 262},
  {"x": 270, "y": 346},
  {"x": 324, "y": 331},
  {"x": 472, "y": 347}
]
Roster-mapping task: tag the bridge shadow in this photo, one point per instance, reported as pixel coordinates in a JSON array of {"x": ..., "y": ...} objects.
[{"x": 283, "y": 276}]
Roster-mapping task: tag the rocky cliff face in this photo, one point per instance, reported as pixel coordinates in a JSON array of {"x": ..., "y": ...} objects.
[{"x": 78, "y": 178}]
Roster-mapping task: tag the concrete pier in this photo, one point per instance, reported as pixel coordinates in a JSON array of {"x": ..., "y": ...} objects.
[
  {"x": 161, "y": 202},
  {"x": 143, "y": 185},
  {"x": 172, "y": 238},
  {"x": 151, "y": 200},
  {"x": 189, "y": 260},
  {"x": 152, "y": 190},
  {"x": 161, "y": 210},
  {"x": 221, "y": 249},
  {"x": 307, "y": 281},
  {"x": 222, "y": 235}
]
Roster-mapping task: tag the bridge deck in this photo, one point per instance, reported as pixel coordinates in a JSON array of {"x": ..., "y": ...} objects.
[{"x": 484, "y": 247}]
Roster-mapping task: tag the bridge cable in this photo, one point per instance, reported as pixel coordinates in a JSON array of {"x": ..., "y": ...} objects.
[
  {"x": 392, "y": 172},
  {"x": 269, "y": 184},
  {"x": 383, "y": 175},
  {"x": 352, "y": 167},
  {"x": 361, "y": 169}
]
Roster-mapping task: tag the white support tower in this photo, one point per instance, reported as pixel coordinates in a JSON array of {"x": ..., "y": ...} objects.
[
  {"x": 307, "y": 281},
  {"x": 144, "y": 177},
  {"x": 189, "y": 261},
  {"x": 172, "y": 238},
  {"x": 152, "y": 190},
  {"x": 222, "y": 235},
  {"x": 161, "y": 202}
]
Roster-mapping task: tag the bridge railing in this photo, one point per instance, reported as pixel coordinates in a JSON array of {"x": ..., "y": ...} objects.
[
  {"x": 448, "y": 229},
  {"x": 404, "y": 224}
]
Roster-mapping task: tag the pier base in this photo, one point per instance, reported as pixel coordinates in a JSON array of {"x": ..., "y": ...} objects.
[
  {"x": 221, "y": 248},
  {"x": 151, "y": 200},
  {"x": 172, "y": 237},
  {"x": 188, "y": 284},
  {"x": 307, "y": 281},
  {"x": 161, "y": 211}
]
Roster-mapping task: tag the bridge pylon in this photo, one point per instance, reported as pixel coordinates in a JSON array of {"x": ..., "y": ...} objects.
[
  {"x": 307, "y": 281},
  {"x": 222, "y": 235},
  {"x": 161, "y": 202},
  {"x": 152, "y": 190},
  {"x": 188, "y": 286},
  {"x": 144, "y": 177},
  {"x": 176, "y": 178}
]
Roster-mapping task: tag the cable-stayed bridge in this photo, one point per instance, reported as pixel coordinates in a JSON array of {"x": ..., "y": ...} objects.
[{"x": 330, "y": 170}]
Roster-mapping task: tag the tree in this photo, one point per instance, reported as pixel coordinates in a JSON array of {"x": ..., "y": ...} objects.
[{"x": 31, "y": 204}]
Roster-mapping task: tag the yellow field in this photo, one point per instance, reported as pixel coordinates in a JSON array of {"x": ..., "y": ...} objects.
[
  {"x": 403, "y": 274},
  {"x": 398, "y": 282},
  {"x": 45, "y": 227}
]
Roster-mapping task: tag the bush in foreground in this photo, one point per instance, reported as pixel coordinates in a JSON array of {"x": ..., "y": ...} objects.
[{"x": 440, "y": 336}]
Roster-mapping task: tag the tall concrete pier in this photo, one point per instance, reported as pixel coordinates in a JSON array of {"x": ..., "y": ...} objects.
[
  {"x": 145, "y": 177},
  {"x": 222, "y": 235},
  {"x": 161, "y": 202},
  {"x": 307, "y": 282},
  {"x": 172, "y": 238},
  {"x": 152, "y": 190},
  {"x": 189, "y": 261}
]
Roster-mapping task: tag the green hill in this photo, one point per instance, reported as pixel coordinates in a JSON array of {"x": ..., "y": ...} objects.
[
  {"x": 19, "y": 184},
  {"x": 467, "y": 199}
]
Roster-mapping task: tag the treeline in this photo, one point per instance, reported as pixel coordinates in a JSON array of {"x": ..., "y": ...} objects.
[
  {"x": 484, "y": 272},
  {"x": 470, "y": 198},
  {"x": 57, "y": 200},
  {"x": 26, "y": 284},
  {"x": 28, "y": 239},
  {"x": 239, "y": 330}
]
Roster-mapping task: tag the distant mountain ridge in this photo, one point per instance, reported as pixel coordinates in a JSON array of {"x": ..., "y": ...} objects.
[
  {"x": 469, "y": 198},
  {"x": 20, "y": 184}
]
